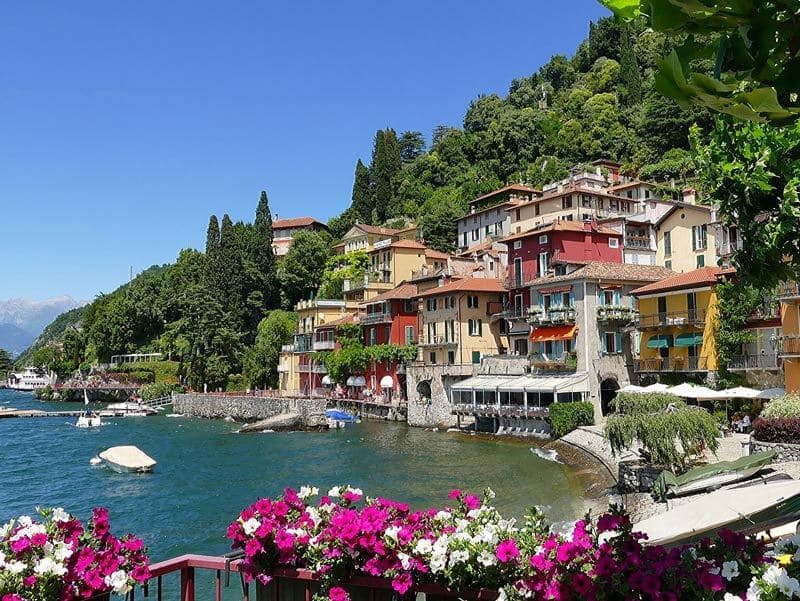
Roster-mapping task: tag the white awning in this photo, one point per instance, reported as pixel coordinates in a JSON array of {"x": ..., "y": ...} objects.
[
  {"x": 351, "y": 381},
  {"x": 326, "y": 380},
  {"x": 631, "y": 388},
  {"x": 771, "y": 393},
  {"x": 572, "y": 383},
  {"x": 740, "y": 392},
  {"x": 387, "y": 382},
  {"x": 690, "y": 391},
  {"x": 359, "y": 381}
]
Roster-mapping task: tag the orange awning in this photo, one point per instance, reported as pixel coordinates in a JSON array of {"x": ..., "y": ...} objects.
[{"x": 553, "y": 333}]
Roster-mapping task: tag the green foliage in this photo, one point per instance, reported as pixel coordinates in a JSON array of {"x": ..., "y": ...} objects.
[
  {"x": 303, "y": 266},
  {"x": 385, "y": 166},
  {"x": 5, "y": 363},
  {"x": 752, "y": 170},
  {"x": 785, "y": 406},
  {"x": 164, "y": 372},
  {"x": 362, "y": 200},
  {"x": 412, "y": 145},
  {"x": 340, "y": 268},
  {"x": 261, "y": 360},
  {"x": 565, "y": 417},
  {"x": 54, "y": 331},
  {"x": 236, "y": 383},
  {"x": 754, "y": 45},
  {"x": 156, "y": 390},
  {"x": 671, "y": 432},
  {"x": 438, "y": 220},
  {"x": 736, "y": 302}
]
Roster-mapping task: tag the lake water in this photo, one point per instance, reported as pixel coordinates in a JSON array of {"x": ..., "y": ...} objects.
[{"x": 206, "y": 473}]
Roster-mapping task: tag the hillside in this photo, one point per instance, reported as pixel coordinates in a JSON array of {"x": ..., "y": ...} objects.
[{"x": 23, "y": 319}]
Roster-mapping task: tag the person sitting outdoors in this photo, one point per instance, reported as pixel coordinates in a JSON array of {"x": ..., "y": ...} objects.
[{"x": 742, "y": 425}]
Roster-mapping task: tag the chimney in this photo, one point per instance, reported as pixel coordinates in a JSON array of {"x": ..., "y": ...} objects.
[{"x": 689, "y": 195}]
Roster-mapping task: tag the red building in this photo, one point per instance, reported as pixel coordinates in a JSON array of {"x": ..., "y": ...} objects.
[
  {"x": 313, "y": 375},
  {"x": 389, "y": 318},
  {"x": 549, "y": 249}
]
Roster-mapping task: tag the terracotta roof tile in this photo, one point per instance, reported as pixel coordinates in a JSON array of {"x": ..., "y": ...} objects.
[
  {"x": 603, "y": 270},
  {"x": 435, "y": 254},
  {"x": 403, "y": 291},
  {"x": 408, "y": 244},
  {"x": 337, "y": 322},
  {"x": 374, "y": 229},
  {"x": 705, "y": 276},
  {"x": 509, "y": 188},
  {"x": 467, "y": 285},
  {"x": 563, "y": 226},
  {"x": 296, "y": 222}
]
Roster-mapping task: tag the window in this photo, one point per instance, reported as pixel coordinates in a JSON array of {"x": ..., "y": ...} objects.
[
  {"x": 566, "y": 202},
  {"x": 498, "y": 228},
  {"x": 613, "y": 242},
  {"x": 472, "y": 302},
  {"x": 475, "y": 327},
  {"x": 503, "y": 327},
  {"x": 667, "y": 244},
  {"x": 430, "y": 304},
  {"x": 544, "y": 263},
  {"x": 630, "y": 193},
  {"x": 409, "y": 335},
  {"x": 612, "y": 343},
  {"x": 486, "y": 230},
  {"x": 432, "y": 357},
  {"x": 451, "y": 357},
  {"x": 536, "y": 209},
  {"x": 373, "y": 337},
  {"x": 586, "y": 201},
  {"x": 476, "y": 234},
  {"x": 608, "y": 297},
  {"x": 465, "y": 239},
  {"x": 491, "y": 265},
  {"x": 543, "y": 239},
  {"x": 701, "y": 261},
  {"x": 408, "y": 306},
  {"x": 699, "y": 237},
  {"x": 452, "y": 325},
  {"x": 516, "y": 215},
  {"x": 476, "y": 357},
  {"x": 646, "y": 193},
  {"x": 517, "y": 244},
  {"x": 668, "y": 264},
  {"x": 569, "y": 217}
]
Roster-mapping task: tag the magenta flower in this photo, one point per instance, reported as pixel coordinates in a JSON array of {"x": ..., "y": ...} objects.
[
  {"x": 455, "y": 494},
  {"x": 13, "y": 597},
  {"x": 472, "y": 502},
  {"x": 507, "y": 551},
  {"x": 402, "y": 583},
  {"x": 337, "y": 593}
]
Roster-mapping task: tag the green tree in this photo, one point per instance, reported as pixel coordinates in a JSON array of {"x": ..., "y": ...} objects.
[
  {"x": 342, "y": 223},
  {"x": 230, "y": 257},
  {"x": 301, "y": 272},
  {"x": 384, "y": 168},
  {"x": 412, "y": 145},
  {"x": 630, "y": 75},
  {"x": 736, "y": 303},
  {"x": 5, "y": 363},
  {"x": 362, "y": 200},
  {"x": 339, "y": 268},
  {"x": 263, "y": 255},
  {"x": 213, "y": 267},
  {"x": 261, "y": 360},
  {"x": 438, "y": 223}
]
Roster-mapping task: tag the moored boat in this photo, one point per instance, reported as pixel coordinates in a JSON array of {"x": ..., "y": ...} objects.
[
  {"x": 127, "y": 459},
  {"x": 88, "y": 420},
  {"x": 28, "y": 380},
  {"x": 128, "y": 409}
]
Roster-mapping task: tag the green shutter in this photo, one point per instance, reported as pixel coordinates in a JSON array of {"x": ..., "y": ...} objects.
[
  {"x": 480, "y": 327},
  {"x": 694, "y": 238},
  {"x": 476, "y": 356},
  {"x": 603, "y": 344},
  {"x": 618, "y": 341}
]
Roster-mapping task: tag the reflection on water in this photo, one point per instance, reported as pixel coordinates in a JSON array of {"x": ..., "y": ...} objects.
[{"x": 206, "y": 473}]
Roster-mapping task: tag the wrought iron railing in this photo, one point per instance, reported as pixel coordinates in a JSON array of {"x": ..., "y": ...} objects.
[
  {"x": 378, "y": 317},
  {"x": 552, "y": 315},
  {"x": 671, "y": 318},
  {"x": 760, "y": 361},
  {"x": 672, "y": 364},
  {"x": 789, "y": 346},
  {"x": 789, "y": 290},
  {"x": 515, "y": 411},
  {"x": 616, "y": 313}
]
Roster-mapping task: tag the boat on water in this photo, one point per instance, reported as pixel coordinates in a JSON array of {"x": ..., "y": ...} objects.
[
  {"x": 748, "y": 510},
  {"x": 128, "y": 409},
  {"x": 338, "y": 418},
  {"x": 28, "y": 380},
  {"x": 88, "y": 420},
  {"x": 712, "y": 476},
  {"x": 127, "y": 459}
]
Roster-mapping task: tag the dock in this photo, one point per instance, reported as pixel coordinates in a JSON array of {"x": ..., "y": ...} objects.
[{"x": 6, "y": 413}]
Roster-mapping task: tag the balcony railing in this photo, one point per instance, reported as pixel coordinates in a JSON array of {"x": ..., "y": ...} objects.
[
  {"x": 551, "y": 316},
  {"x": 512, "y": 411},
  {"x": 616, "y": 313},
  {"x": 765, "y": 361},
  {"x": 506, "y": 312},
  {"x": 638, "y": 242},
  {"x": 287, "y": 584},
  {"x": 324, "y": 345},
  {"x": 364, "y": 282},
  {"x": 789, "y": 290},
  {"x": 435, "y": 341},
  {"x": 789, "y": 346},
  {"x": 380, "y": 317},
  {"x": 671, "y": 318},
  {"x": 725, "y": 249},
  {"x": 672, "y": 364}
]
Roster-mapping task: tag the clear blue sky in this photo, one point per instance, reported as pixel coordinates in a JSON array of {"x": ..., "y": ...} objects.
[{"x": 124, "y": 125}]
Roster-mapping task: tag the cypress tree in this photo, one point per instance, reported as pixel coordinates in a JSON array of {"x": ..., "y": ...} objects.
[
  {"x": 386, "y": 164},
  {"x": 362, "y": 195},
  {"x": 212, "y": 273},
  {"x": 230, "y": 259},
  {"x": 262, "y": 254},
  {"x": 630, "y": 75}
]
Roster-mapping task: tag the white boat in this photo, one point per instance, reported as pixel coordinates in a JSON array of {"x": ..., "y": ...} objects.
[
  {"x": 128, "y": 409},
  {"x": 88, "y": 420},
  {"x": 28, "y": 380},
  {"x": 750, "y": 509},
  {"x": 127, "y": 459}
]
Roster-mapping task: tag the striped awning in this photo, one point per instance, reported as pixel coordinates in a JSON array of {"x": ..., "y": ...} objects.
[
  {"x": 690, "y": 339},
  {"x": 660, "y": 341},
  {"x": 553, "y": 333}
]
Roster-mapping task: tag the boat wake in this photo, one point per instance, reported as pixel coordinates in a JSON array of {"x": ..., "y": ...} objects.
[
  {"x": 546, "y": 454},
  {"x": 95, "y": 460}
]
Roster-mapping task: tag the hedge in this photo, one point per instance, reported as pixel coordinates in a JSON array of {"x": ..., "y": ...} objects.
[
  {"x": 785, "y": 429},
  {"x": 565, "y": 417},
  {"x": 782, "y": 407}
]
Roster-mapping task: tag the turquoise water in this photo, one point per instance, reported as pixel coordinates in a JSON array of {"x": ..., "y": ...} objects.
[{"x": 206, "y": 473}]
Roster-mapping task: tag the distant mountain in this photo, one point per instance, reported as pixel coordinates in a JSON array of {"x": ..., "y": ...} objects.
[{"x": 23, "y": 319}]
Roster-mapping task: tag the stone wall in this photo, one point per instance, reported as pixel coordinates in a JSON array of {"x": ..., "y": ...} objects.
[
  {"x": 763, "y": 378},
  {"x": 436, "y": 410},
  {"x": 243, "y": 408},
  {"x": 786, "y": 451},
  {"x": 636, "y": 476}
]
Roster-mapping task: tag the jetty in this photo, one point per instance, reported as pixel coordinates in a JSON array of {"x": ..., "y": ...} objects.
[{"x": 6, "y": 413}]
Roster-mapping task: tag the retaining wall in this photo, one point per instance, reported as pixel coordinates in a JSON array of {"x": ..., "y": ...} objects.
[
  {"x": 243, "y": 408},
  {"x": 786, "y": 451}
]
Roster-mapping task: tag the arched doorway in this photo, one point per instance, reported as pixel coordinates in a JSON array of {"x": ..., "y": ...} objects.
[
  {"x": 424, "y": 391},
  {"x": 608, "y": 390}
]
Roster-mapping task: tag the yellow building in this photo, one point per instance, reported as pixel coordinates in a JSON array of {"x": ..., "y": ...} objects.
[
  {"x": 455, "y": 321},
  {"x": 676, "y": 324},
  {"x": 363, "y": 237},
  {"x": 789, "y": 341},
  {"x": 685, "y": 238}
]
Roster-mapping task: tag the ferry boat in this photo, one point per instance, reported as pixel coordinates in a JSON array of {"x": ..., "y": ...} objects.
[{"x": 28, "y": 380}]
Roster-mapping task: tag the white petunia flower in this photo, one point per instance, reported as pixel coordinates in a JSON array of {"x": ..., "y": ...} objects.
[
  {"x": 405, "y": 560},
  {"x": 730, "y": 597},
  {"x": 118, "y": 581},
  {"x": 458, "y": 556},
  {"x": 5, "y": 529},
  {"x": 423, "y": 547},
  {"x": 391, "y": 532},
  {"x": 442, "y": 515},
  {"x": 25, "y": 521},
  {"x": 437, "y": 563},
  {"x": 59, "y": 515},
  {"x": 356, "y": 491},
  {"x": 607, "y": 536},
  {"x": 487, "y": 559},
  {"x": 753, "y": 591},
  {"x": 308, "y": 491},
  {"x": 250, "y": 526},
  {"x": 730, "y": 570},
  {"x": 15, "y": 567},
  {"x": 47, "y": 565},
  {"x": 62, "y": 552},
  {"x": 779, "y": 578},
  {"x": 334, "y": 492}
]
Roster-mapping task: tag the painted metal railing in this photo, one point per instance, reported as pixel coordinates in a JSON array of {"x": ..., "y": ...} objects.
[
  {"x": 671, "y": 318},
  {"x": 789, "y": 346},
  {"x": 288, "y": 584},
  {"x": 765, "y": 361},
  {"x": 658, "y": 364}
]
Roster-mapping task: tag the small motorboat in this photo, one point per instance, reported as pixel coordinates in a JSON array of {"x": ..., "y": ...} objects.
[
  {"x": 338, "y": 418},
  {"x": 88, "y": 420},
  {"x": 127, "y": 459},
  {"x": 747, "y": 510}
]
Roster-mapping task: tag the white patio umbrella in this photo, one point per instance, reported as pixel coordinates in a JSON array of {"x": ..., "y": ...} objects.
[
  {"x": 657, "y": 387},
  {"x": 689, "y": 391},
  {"x": 771, "y": 393},
  {"x": 631, "y": 388},
  {"x": 741, "y": 392}
]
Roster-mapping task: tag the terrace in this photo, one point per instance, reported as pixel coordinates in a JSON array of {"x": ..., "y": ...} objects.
[
  {"x": 671, "y": 318},
  {"x": 671, "y": 364},
  {"x": 554, "y": 314},
  {"x": 770, "y": 361}
]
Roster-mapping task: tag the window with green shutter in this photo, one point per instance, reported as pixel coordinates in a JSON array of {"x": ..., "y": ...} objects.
[{"x": 476, "y": 356}]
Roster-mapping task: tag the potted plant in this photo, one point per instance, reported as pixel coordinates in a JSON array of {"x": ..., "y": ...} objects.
[{"x": 56, "y": 558}]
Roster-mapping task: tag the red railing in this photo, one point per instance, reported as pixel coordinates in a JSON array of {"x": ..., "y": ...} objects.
[{"x": 187, "y": 565}]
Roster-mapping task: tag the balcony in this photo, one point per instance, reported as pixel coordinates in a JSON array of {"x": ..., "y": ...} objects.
[
  {"x": 315, "y": 367},
  {"x": 510, "y": 411},
  {"x": 425, "y": 341},
  {"x": 640, "y": 242},
  {"x": 616, "y": 313},
  {"x": 364, "y": 282},
  {"x": 288, "y": 348},
  {"x": 567, "y": 363},
  {"x": 499, "y": 311},
  {"x": 769, "y": 361},
  {"x": 725, "y": 249},
  {"x": 789, "y": 290},
  {"x": 696, "y": 317},
  {"x": 553, "y": 315},
  {"x": 670, "y": 364},
  {"x": 789, "y": 346},
  {"x": 324, "y": 345},
  {"x": 377, "y": 317}
]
